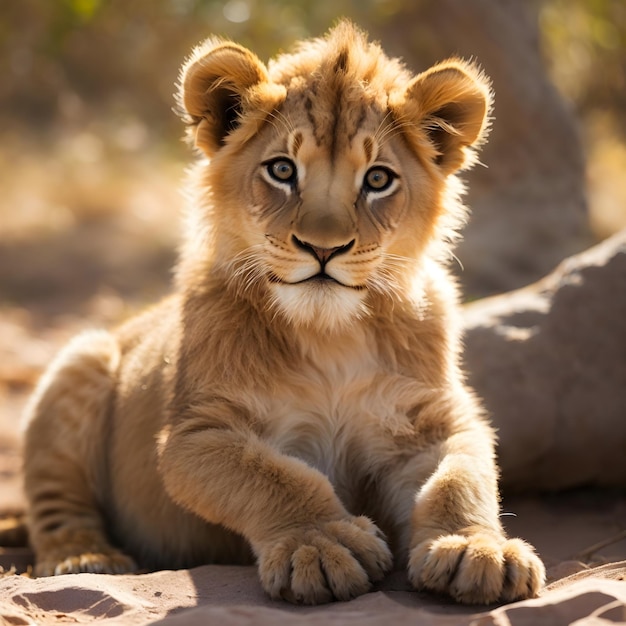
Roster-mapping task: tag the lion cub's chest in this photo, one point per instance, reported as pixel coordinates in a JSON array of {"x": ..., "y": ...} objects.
[{"x": 337, "y": 406}]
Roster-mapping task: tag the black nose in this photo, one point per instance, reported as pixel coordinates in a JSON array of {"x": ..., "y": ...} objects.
[{"x": 323, "y": 255}]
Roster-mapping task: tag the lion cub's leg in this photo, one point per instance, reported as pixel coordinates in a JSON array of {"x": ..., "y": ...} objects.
[
  {"x": 458, "y": 546},
  {"x": 63, "y": 459},
  {"x": 309, "y": 548}
]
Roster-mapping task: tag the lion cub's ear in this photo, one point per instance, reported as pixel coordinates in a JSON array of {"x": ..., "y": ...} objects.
[
  {"x": 450, "y": 102},
  {"x": 216, "y": 83}
]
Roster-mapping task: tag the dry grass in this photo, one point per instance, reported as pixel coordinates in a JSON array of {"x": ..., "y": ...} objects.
[
  {"x": 87, "y": 236},
  {"x": 80, "y": 227}
]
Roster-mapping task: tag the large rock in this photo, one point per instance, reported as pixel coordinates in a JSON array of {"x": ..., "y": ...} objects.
[{"x": 550, "y": 362}]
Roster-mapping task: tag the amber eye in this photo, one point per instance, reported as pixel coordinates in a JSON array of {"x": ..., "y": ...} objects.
[
  {"x": 282, "y": 170},
  {"x": 378, "y": 179}
]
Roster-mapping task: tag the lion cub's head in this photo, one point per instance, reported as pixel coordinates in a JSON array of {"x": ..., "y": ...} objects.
[{"x": 329, "y": 171}]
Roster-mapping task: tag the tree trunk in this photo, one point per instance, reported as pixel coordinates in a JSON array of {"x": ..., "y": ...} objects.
[{"x": 528, "y": 204}]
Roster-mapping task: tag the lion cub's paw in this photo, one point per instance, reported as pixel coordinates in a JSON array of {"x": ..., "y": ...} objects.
[
  {"x": 319, "y": 563},
  {"x": 477, "y": 569},
  {"x": 92, "y": 563}
]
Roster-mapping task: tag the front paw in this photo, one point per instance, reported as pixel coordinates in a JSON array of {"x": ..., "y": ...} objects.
[
  {"x": 477, "y": 569},
  {"x": 328, "y": 561},
  {"x": 110, "y": 562}
]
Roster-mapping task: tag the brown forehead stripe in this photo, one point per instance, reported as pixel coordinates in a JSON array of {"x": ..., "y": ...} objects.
[
  {"x": 297, "y": 143},
  {"x": 368, "y": 147},
  {"x": 336, "y": 83}
]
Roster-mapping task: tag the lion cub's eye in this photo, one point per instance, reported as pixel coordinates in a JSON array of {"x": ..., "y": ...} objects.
[
  {"x": 282, "y": 170},
  {"x": 378, "y": 178}
]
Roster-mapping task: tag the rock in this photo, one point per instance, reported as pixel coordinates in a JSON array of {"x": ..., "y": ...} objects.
[{"x": 550, "y": 362}]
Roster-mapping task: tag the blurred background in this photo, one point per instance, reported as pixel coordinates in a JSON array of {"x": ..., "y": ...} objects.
[{"x": 91, "y": 157}]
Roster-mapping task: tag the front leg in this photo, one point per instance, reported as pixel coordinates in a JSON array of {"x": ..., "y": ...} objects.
[
  {"x": 309, "y": 548},
  {"x": 458, "y": 546}
]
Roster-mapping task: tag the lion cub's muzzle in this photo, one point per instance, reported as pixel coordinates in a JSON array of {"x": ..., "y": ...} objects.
[
  {"x": 324, "y": 233},
  {"x": 322, "y": 255}
]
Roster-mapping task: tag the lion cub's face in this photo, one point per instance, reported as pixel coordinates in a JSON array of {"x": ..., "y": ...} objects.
[
  {"x": 324, "y": 220},
  {"x": 327, "y": 172}
]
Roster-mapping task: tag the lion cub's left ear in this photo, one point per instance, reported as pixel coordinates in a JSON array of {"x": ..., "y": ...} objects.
[
  {"x": 451, "y": 103},
  {"x": 218, "y": 84}
]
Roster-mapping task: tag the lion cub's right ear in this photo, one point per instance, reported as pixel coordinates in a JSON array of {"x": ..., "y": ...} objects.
[{"x": 218, "y": 84}]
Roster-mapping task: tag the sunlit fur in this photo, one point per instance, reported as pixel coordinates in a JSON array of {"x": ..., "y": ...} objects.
[{"x": 300, "y": 391}]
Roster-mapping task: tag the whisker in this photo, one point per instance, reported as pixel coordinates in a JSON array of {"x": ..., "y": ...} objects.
[
  {"x": 393, "y": 130},
  {"x": 385, "y": 133},
  {"x": 380, "y": 128},
  {"x": 246, "y": 269},
  {"x": 397, "y": 260},
  {"x": 384, "y": 282},
  {"x": 276, "y": 116},
  {"x": 456, "y": 258}
]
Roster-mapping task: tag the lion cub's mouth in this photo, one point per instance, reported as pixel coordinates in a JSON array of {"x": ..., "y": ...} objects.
[{"x": 320, "y": 278}]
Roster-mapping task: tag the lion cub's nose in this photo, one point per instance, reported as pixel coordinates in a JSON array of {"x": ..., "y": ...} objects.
[{"x": 323, "y": 255}]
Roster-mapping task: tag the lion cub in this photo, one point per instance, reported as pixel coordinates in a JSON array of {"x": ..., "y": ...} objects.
[{"x": 298, "y": 401}]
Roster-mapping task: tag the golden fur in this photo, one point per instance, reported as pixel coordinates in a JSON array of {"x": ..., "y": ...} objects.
[{"x": 301, "y": 389}]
